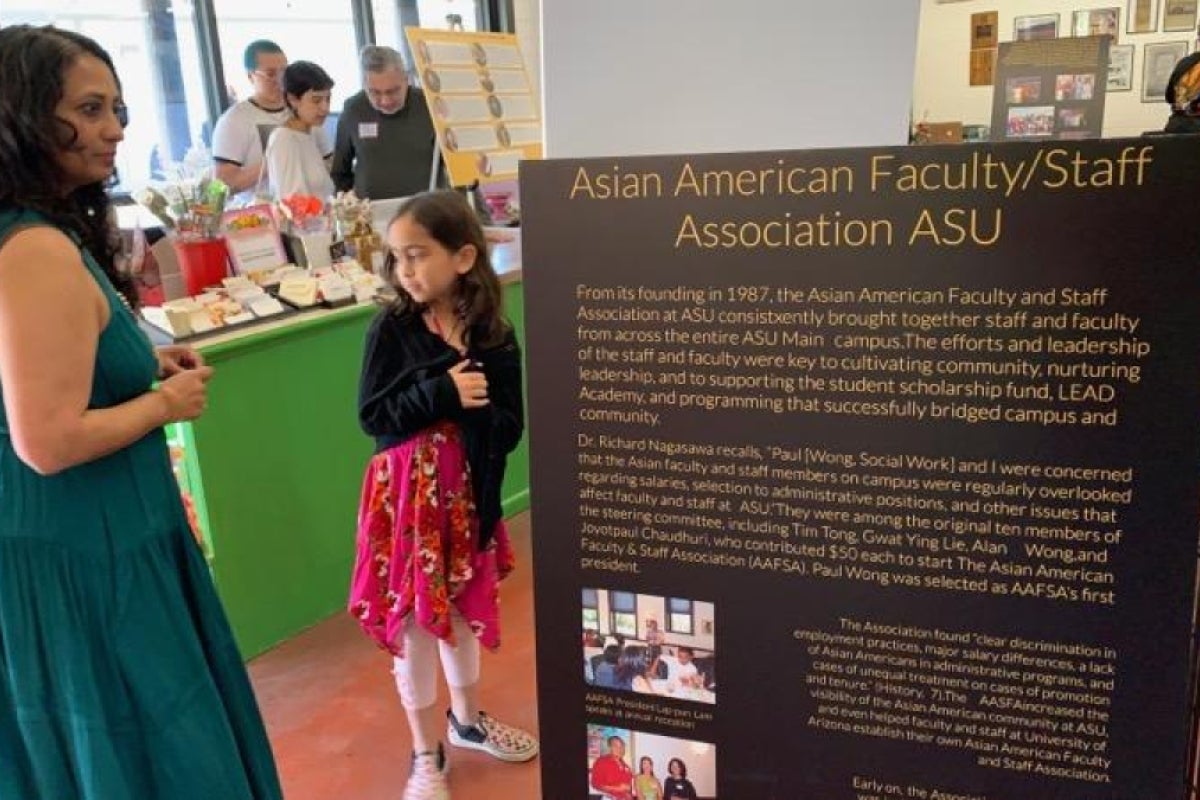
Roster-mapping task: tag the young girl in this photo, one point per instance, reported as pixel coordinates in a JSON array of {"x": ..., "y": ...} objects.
[
  {"x": 441, "y": 393},
  {"x": 646, "y": 785}
]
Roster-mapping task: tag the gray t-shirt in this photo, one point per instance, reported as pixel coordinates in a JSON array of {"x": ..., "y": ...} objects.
[{"x": 382, "y": 156}]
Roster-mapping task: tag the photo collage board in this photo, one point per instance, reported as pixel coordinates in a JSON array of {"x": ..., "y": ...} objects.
[{"x": 1050, "y": 89}]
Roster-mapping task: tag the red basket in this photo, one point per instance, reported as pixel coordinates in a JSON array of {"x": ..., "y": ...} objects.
[{"x": 202, "y": 263}]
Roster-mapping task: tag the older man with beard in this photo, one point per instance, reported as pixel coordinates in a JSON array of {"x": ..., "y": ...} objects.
[{"x": 385, "y": 137}]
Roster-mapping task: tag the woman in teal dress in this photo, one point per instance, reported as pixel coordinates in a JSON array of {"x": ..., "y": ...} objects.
[{"x": 119, "y": 678}]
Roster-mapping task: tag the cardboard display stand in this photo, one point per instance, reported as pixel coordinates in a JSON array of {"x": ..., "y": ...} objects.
[{"x": 484, "y": 109}]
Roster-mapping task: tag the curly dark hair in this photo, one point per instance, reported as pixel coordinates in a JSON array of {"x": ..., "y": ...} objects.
[
  {"x": 33, "y": 61},
  {"x": 451, "y": 222}
]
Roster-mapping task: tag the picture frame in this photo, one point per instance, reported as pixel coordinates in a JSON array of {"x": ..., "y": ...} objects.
[
  {"x": 1096, "y": 22},
  {"x": 983, "y": 67},
  {"x": 252, "y": 238},
  {"x": 1120, "y": 68},
  {"x": 985, "y": 30},
  {"x": 1141, "y": 16},
  {"x": 1034, "y": 27},
  {"x": 1158, "y": 61},
  {"x": 1179, "y": 15}
]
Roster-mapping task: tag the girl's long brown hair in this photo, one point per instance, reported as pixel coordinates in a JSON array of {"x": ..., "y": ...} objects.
[{"x": 448, "y": 219}]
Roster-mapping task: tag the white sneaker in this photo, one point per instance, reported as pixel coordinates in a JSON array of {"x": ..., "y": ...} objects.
[
  {"x": 493, "y": 737},
  {"x": 426, "y": 782},
  {"x": 442, "y": 762}
]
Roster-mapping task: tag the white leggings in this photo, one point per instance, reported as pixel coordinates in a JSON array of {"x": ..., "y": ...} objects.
[{"x": 416, "y": 673}]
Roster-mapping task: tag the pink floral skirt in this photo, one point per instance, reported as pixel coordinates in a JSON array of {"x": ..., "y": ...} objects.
[{"x": 418, "y": 544}]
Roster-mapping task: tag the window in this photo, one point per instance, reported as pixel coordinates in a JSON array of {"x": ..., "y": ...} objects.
[
  {"x": 392, "y": 16},
  {"x": 320, "y": 31},
  {"x": 438, "y": 13},
  {"x": 153, "y": 46},
  {"x": 623, "y": 611},
  {"x": 680, "y": 616},
  {"x": 591, "y": 610}
]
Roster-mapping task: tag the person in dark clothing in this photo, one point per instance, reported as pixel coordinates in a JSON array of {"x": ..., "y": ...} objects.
[
  {"x": 677, "y": 786},
  {"x": 1183, "y": 95},
  {"x": 606, "y": 670},
  {"x": 385, "y": 136}
]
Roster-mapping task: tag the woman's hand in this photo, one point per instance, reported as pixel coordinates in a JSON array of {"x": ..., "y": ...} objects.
[
  {"x": 471, "y": 384},
  {"x": 185, "y": 393},
  {"x": 176, "y": 358}
]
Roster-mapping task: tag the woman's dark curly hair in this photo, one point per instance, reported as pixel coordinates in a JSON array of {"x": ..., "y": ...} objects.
[
  {"x": 33, "y": 66},
  {"x": 451, "y": 222}
]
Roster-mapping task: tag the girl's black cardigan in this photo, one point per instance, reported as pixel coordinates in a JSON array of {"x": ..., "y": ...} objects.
[{"x": 405, "y": 387}]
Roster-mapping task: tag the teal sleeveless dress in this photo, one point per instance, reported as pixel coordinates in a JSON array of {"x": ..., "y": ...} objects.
[{"x": 119, "y": 676}]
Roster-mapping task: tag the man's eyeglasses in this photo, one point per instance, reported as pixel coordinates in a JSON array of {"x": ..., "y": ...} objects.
[
  {"x": 269, "y": 74},
  {"x": 388, "y": 94}
]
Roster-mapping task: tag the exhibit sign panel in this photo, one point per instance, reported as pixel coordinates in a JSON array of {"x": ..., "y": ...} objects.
[{"x": 866, "y": 474}]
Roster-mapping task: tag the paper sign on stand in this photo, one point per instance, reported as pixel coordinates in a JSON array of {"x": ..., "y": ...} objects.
[{"x": 482, "y": 101}]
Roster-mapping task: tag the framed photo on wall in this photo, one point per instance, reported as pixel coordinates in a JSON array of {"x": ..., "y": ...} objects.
[
  {"x": 1141, "y": 16},
  {"x": 1096, "y": 22},
  {"x": 1120, "y": 68},
  {"x": 983, "y": 67},
  {"x": 1034, "y": 27},
  {"x": 984, "y": 31},
  {"x": 1179, "y": 15},
  {"x": 1159, "y": 60}
]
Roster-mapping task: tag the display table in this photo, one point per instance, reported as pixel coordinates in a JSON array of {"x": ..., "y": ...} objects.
[{"x": 274, "y": 467}]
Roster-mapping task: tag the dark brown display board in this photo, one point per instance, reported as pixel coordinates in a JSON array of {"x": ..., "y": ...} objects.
[
  {"x": 866, "y": 474},
  {"x": 1050, "y": 89}
]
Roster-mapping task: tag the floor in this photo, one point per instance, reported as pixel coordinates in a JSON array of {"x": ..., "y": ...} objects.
[{"x": 337, "y": 726}]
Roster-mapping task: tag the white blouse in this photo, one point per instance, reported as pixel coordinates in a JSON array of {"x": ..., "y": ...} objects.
[{"x": 295, "y": 165}]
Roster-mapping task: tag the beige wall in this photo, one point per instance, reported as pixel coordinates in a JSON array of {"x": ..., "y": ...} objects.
[{"x": 941, "y": 91}]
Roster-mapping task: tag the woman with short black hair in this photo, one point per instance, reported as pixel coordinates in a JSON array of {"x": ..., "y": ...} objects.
[{"x": 294, "y": 162}]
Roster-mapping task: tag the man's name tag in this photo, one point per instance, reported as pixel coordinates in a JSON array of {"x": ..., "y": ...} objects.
[{"x": 368, "y": 130}]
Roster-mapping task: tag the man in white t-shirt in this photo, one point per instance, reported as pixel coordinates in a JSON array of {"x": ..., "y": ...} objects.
[
  {"x": 242, "y": 131},
  {"x": 681, "y": 670}
]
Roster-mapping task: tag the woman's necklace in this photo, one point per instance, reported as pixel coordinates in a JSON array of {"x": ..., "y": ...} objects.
[
  {"x": 135, "y": 317},
  {"x": 125, "y": 302},
  {"x": 448, "y": 338}
]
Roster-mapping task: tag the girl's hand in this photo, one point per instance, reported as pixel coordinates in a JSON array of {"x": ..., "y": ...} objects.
[
  {"x": 176, "y": 358},
  {"x": 185, "y": 393},
  {"x": 470, "y": 383}
]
